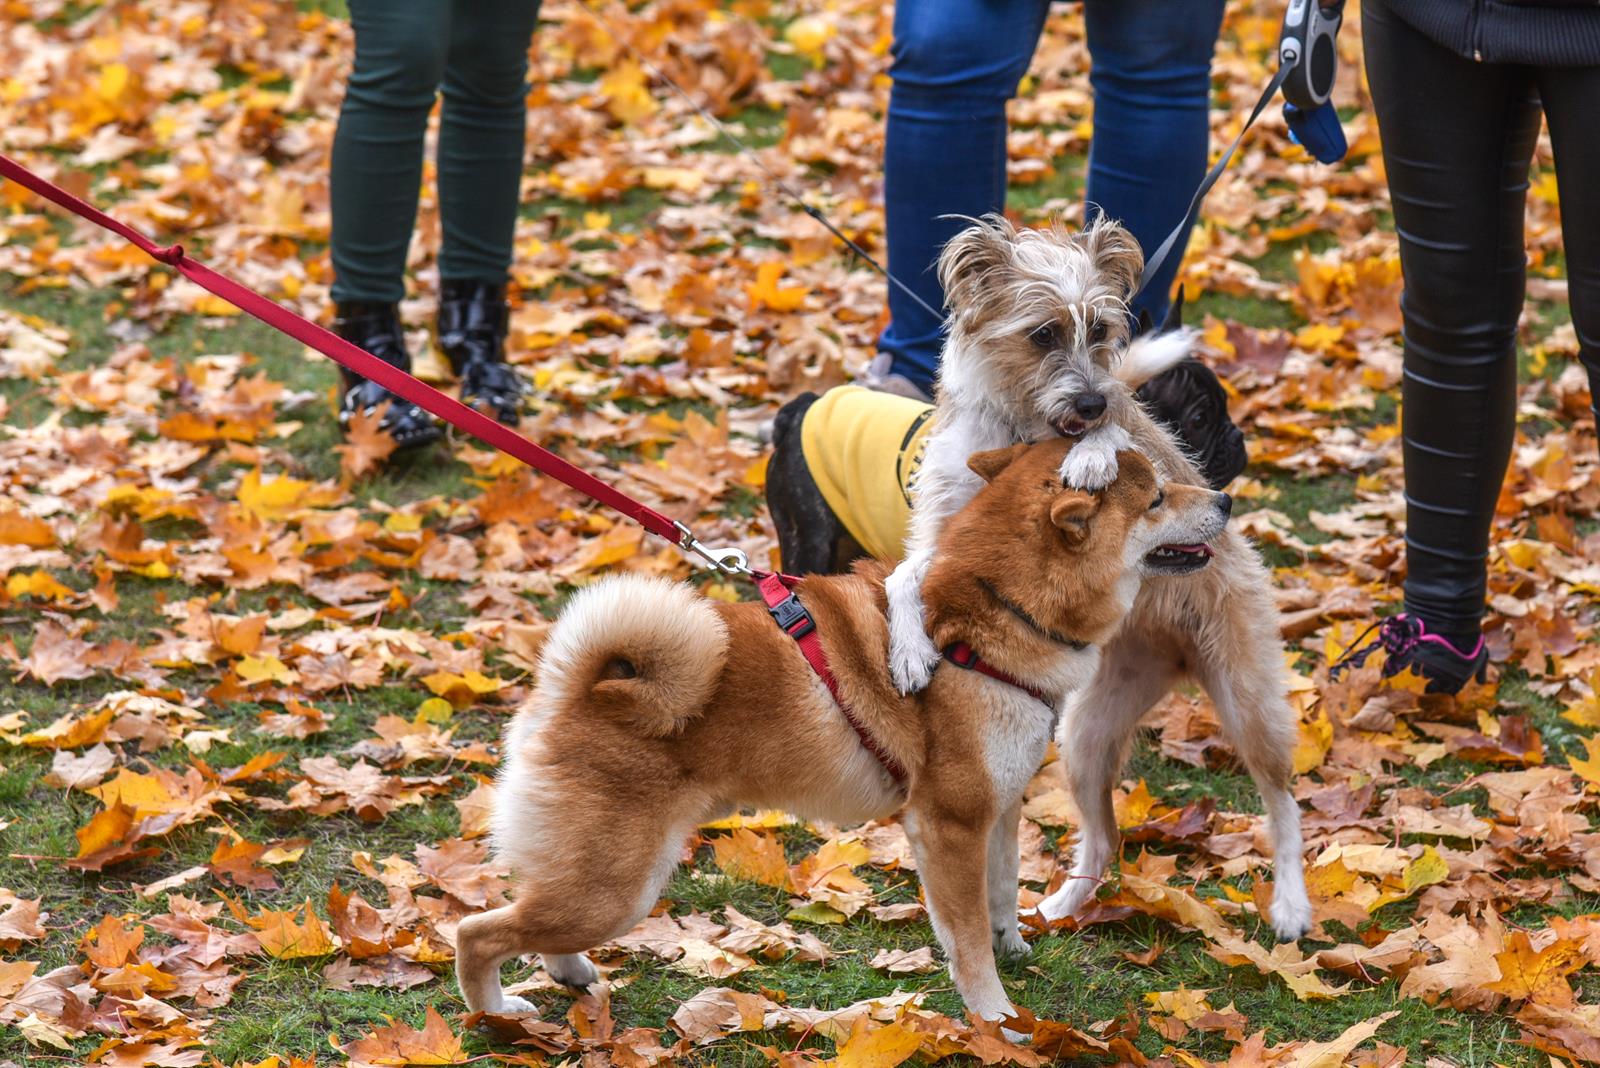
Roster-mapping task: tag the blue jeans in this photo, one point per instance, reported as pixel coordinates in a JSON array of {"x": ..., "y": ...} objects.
[{"x": 957, "y": 62}]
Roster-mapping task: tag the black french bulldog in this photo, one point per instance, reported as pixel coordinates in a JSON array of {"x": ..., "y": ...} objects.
[{"x": 1188, "y": 399}]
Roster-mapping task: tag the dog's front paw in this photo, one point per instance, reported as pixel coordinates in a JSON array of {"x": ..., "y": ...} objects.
[
  {"x": 1291, "y": 914},
  {"x": 572, "y": 970},
  {"x": 1008, "y": 942},
  {"x": 1089, "y": 467},
  {"x": 911, "y": 662}
]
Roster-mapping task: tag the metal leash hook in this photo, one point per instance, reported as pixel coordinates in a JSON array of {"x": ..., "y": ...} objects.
[{"x": 726, "y": 559}]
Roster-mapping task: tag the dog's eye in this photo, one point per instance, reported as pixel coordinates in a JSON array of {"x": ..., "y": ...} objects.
[
  {"x": 1047, "y": 336},
  {"x": 1098, "y": 332},
  {"x": 1161, "y": 498},
  {"x": 1197, "y": 420}
]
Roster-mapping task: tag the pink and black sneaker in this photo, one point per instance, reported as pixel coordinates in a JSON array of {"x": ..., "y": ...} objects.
[{"x": 1406, "y": 640}]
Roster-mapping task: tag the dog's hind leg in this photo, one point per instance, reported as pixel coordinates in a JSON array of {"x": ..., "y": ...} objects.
[
  {"x": 579, "y": 899},
  {"x": 1256, "y": 718},
  {"x": 1002, "y": 878},
  {"x": 1097, "y": 726}
]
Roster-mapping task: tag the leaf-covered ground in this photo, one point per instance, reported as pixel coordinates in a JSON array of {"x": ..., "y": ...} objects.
[{"x": 253, "y": 679}]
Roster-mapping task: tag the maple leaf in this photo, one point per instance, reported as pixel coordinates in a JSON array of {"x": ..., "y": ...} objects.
[
  {"x": 876, "y": 1047},
  {"x": 904, "y": 961},
  {"x": 20, "y": 920},
  {"x": 1527, "y": 974},
  {"x": 765, "y": 292},
  {"x": 746, "y": 854},
  {"x": 288, "y": 934},
  {"x": 366, "y": 443},
  {"x": 400, "y": 1044}
]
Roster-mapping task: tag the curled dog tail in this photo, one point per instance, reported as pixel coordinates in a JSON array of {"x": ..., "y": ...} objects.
[
  {"x": 641, "y": 648},
  {"x": 1149, "y": 355}
]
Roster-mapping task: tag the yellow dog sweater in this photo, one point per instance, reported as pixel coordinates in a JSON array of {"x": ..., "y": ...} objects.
[{"x": 862, "y": 448}]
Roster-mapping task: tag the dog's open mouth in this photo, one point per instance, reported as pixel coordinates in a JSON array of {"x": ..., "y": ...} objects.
[
  {"x": 1178, "y": 559},
  {"x": 1069, "y": 426}
]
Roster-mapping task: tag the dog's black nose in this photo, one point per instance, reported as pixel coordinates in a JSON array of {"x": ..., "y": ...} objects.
[
  {"x": 1089, "y": 405},
  {"x": 1224, "y": 504}
]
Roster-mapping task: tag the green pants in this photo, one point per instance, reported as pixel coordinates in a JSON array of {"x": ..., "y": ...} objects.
[{"x": 407, "y": 51}]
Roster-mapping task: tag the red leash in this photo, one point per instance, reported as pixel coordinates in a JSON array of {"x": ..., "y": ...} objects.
[
  {"x": 466, "y": 419},
  {"x": 784, "y": 606}
]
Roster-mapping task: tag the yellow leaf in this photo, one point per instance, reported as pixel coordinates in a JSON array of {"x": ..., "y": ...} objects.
[
  {"x": 1316, "y": 738},
  {"x": 627, "y": 94},
  {"x": 809, "y": 34},
  {"x": 1426, "y": 870},
  {"x": 1588, "y": 767},
  {"x": 434, "y": 710},
  {"x": 745, "y": 854},
  {"x": 871, "y": 1046},
  {"x": 38, "y": 584},
  {"x": 275, "y": 500},
  {"x": 765, "y": 292},
  {"x": 254, "y": 669}
]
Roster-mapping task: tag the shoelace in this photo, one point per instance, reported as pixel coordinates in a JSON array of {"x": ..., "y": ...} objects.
[{"x": 1397, "y": 636}]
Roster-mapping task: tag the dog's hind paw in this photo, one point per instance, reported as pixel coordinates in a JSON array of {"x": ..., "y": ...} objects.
[
  {"x": 1291, "y": 915},
  {"x": 511, "y": 1005}
]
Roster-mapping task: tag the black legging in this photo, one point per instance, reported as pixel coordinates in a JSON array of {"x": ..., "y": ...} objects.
[{"x": 1457, "y": 140}]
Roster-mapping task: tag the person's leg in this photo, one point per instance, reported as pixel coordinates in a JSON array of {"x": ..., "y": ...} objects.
[
  {"x": 1457, "y": 139},
  {"x": 956, "y": 63},
  {"x": 1151, "y": 75},
  {"x": 481, "y": 130},
  {"x": 377, "y": 173},
  {"x": 1569, "y": 96},
  {"x": 378, "y": 144}
]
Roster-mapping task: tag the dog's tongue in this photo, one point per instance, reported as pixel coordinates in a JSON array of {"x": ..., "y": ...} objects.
[{"x": 1198, "y": 547}]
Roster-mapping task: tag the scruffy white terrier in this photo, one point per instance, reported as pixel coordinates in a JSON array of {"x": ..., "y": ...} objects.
[{"x": 1038, "y": 346}]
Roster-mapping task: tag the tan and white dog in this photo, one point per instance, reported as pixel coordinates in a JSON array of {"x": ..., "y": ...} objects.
[
  {"x": 657, "y": 710},
  {"x": 1036, "y": 326}
]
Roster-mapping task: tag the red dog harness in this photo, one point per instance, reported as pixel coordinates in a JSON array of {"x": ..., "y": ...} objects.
[{"x": 793, "y": 619}]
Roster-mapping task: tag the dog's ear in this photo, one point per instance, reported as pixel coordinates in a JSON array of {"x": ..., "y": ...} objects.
[
  {"x": 1071, "y": 511},
  {"x": 988, "y": 465},
  {"x": 970, "y": 260},
  {"x": 1174, "y": 319},
  {"x": 1116, "y": 254}
]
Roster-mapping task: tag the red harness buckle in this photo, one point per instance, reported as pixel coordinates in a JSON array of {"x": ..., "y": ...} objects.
[{"x": 793, "y": 619}]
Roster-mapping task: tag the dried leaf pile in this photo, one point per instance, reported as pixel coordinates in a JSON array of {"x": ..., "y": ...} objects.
[{"x": 254, "y": 678}]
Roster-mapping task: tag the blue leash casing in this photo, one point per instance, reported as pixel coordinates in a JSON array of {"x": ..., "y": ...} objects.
[{"x": 1317, "y": 131}]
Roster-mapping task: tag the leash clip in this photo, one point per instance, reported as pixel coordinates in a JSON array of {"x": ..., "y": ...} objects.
[{"x": 726, "y": 559}]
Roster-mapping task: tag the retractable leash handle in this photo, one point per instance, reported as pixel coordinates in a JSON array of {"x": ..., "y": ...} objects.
[
  {"x": 1308, "y": 49},
  {"x": 1307, "y": 60}
]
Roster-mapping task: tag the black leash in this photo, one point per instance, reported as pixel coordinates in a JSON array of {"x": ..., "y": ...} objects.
[
  {"x": 772, "y": 176},
  {"x": 1153, "y": 264},
  {"x": 1286, "y": 69}
]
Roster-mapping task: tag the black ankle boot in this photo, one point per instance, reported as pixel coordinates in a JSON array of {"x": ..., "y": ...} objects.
[
  {"x": 376, "y": 328},
  {"x": 473, "y": 321}
]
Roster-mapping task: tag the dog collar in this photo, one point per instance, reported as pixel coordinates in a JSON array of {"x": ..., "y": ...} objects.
[
  {"x": 1039, "y": 628},
  {"x": 793, "y": 619},
  {"x": 963, "y": 655}
]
